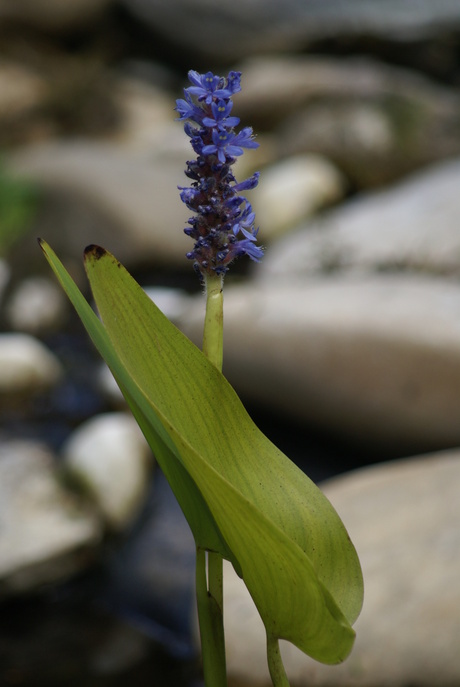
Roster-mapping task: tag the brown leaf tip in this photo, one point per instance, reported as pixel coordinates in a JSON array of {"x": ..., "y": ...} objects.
[{"x": 94, "y": 251}]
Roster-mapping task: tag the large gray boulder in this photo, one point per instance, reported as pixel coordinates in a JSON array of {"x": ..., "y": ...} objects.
[
  {"x": 403, "y": 519},
  {"x": 375, "y": 358}
]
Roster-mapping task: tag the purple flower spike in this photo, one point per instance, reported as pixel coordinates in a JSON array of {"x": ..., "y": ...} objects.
[{"x": 223, "y": 227}]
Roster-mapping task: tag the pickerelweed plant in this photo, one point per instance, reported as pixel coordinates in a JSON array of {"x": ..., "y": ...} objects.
[{"x": 244, "y": 500}]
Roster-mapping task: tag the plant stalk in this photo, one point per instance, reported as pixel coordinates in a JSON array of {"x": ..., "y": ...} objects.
[
  {"x": 213, "y": 336},
  {"x": 211, "y": 628},
  {"x": 275, "y": 663},
  {"x": 209, "y": 586}
]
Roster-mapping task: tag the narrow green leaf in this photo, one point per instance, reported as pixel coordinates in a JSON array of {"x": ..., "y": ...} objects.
[
  {"x": 289, "y": 544},
  {"x": 194, "y": 507}
]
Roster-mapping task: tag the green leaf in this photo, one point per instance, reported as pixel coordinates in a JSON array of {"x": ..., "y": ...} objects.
[
  {"x": 263, "y": 513},
  {"x": 194, "y": 507}
]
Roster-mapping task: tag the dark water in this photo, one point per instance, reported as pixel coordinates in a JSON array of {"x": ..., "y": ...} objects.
[{"x": 50, "y": 642}]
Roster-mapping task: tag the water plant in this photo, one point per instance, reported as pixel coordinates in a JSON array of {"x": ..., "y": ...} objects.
[{"x": 244, "y": 500}]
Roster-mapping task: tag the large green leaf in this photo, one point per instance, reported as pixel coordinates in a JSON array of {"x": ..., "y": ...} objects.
[
  {"x": 192, "y": 503},
  {"x": 247, "y": 500}
]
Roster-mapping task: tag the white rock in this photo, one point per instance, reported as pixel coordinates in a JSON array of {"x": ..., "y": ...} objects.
[
  {"x": 26, "y": 365},
  {"x": 294, "y": 189},
  {"x": 36, "y": 305},
  {"x": 45, "y": 532},
  {"x": 110, "y": 458},
  {"x": 376, "y": 358},
  {"x": 403, "y": 519},
  {"x": 413, "y": 225}
]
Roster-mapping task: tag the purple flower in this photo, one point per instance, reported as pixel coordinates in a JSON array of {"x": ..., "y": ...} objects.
[
  {"x": 206, "y": 86},
  {"x": 223, "y": 224},
  {"x": 220, "y": 118},
  {"x": 248, "y": 247},
  {"x": 245, "y": 139},
  {"x": 225, "y": 144},
  {"x": 188, "y": 110},
  {"x": 234, "y": 82},
  {"x": 247, "y": 183},
  {"x": 245, "y": 221}
]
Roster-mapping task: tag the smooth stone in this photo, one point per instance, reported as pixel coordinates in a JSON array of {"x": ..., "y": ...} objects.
[
  {"x": 26, "y": 365},
  {"x": 46, "y": 533},
  {"x": 372, "y": 358},
  {"x": 292, "y": 190},
  {"x": 412, "y": 226},
  {"x": 109, "y": 457},
  {"x": 374, "y": 121},
  {"x": 36, "y": 306},
  {"x": 403, "y": 520},
  {"x": 127, "y": 200},
  {"x": 287, "y": 25}
]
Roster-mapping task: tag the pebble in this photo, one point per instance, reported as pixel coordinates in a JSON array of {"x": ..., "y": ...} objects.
[
  {"x": 292, "y": 190},
  {"x": 46, "y": 533},
  {"x": 37, "y": 305},
  {"x": 109, "y": 457},
  {"x": 26, "y": 365}
]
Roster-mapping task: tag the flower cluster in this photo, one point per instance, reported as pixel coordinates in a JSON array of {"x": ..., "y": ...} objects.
[{"x": 223, "y": 227}]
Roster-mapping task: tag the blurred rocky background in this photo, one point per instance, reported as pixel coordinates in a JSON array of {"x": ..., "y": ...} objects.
[{"x": 344, "y": 343}]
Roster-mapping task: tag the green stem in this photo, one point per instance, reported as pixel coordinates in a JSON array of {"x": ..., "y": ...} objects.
[
  {"x": 275, "y": 663},
  {"x": 211, "y": 628},
  {"x": 210, "y": 586},
  {"x": 214, "y": 321}
]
